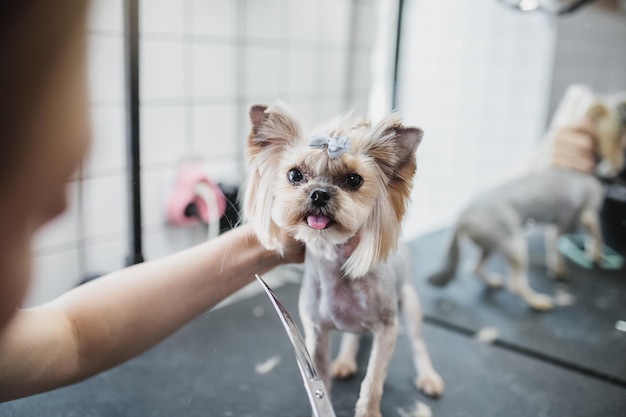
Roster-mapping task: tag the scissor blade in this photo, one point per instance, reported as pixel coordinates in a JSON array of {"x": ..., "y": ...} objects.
[
  {"x": 302, "y": 355},
  {"x": 314, "y": 386}
]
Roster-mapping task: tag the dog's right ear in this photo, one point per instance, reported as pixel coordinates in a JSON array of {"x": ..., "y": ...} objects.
[
  {"x": 271, "y": 127},
  {"x": 257, "y": 116}
]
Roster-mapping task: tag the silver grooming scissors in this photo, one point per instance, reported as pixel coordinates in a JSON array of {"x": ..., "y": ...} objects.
[{"x": 318, "y": 397}]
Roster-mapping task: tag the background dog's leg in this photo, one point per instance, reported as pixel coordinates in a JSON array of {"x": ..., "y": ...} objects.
[
  {"x": 491, "y": 279},
  {"x": 428, "y": 380},
  {"x": 344, "y": 365},
  {"x": 384, "y": 341},
  {"x": 589, "y": 221},
  {"x": 446, "y": 274},
  {"x": 554, "y": 259},
  {"x": 516, "y": 253}
]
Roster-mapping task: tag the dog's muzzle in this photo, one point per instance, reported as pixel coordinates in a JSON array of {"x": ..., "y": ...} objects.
[{"x": 319, "y": 197}]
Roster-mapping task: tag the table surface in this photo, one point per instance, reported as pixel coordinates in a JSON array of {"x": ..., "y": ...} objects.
[
  {"x": 569, "y": 362},
  {"x": 581, "y": 336}
]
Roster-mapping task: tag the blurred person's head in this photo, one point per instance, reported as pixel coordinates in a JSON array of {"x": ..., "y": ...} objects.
[{"x": 43, "y": 126}]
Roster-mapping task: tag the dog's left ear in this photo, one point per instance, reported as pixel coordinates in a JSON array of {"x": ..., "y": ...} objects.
[{"x": 392, "y": 146}]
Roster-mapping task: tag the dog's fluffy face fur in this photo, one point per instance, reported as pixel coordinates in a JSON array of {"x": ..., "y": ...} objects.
[
  {"x": 609, "y": 132},
  {"x": 325, "y": 201},
  {"x": 607, "y": 122}
]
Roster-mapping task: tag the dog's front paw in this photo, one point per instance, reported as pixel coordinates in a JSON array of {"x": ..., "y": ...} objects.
[
  {"x": 540, "y": 302},
  {"x": 362, "y": 411},
  {"x": 596, "y": 257},
  {"x": 559, "y": 273},
  {"x": 343, "y": 368},
  {"x": 430, "y": 383}
]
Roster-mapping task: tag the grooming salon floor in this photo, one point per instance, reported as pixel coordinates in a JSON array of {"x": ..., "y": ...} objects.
[{"x": 237, "y": 361}]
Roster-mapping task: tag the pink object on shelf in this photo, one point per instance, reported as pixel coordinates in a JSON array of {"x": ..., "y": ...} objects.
[{"x": 185, "y": 193}]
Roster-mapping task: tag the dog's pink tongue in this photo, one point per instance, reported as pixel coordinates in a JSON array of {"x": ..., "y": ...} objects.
[{"x": 317, "y": 222}]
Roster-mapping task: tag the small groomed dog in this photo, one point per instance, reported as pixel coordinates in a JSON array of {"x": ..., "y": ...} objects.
[
  {"x": 560, "y": 199},
  {"x": 343, "y": 192}
]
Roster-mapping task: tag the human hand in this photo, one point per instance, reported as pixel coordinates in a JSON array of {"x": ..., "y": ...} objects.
[
  {"x": 573, "y": 149},
  {"x": 293, "y": 250}
]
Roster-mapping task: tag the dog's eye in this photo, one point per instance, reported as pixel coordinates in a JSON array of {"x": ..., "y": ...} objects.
[
  {"x": 294, "y": 176},
  {"x": 354, "y": 181}
]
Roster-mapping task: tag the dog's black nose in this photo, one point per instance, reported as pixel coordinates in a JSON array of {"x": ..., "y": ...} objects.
[{"x": 319, "y": 197}]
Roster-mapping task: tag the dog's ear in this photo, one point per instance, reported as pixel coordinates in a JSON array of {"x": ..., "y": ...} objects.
[
  {"x": 392, "y": 146},
  {"x": 572, "y": 106},
  {"x": 608, "y": 141},
  {"x": 272, "y": 130},
  {"x": 257, "y": 116},
  {"x": 271, "y": 127}
]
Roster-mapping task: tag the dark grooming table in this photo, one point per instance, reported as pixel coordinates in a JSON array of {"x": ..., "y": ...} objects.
[
  {"x": 208, "y": 367},
  {"x": 581, "y": 336}
]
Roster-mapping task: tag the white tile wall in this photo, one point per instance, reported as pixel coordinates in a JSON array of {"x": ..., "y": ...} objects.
[
  {"x": 161, "y": 17},
  {"x": 104, "y": 205},
  {"x": 106, "y": 69},
  {"x": 334, "y": 71},
  {"x": 162, "y": 70},
  {"x": 326, "y": 109},
  {"x": 476, "y": 77},
  {"x": 263, "y": 71},
  {"x": 223, "y": 171},
  {"x": 105, "y": 16},
  {"x": 156, "y": 187},
  {"x": 364, "y": 31},
  {"x": 213, "y": 134},
  {"x": 166, "y": 240},
  {"x": 53, "y": 274},
  {"x": 107, "y": 153},
  {"x": 302, "y": 23},
  {"x": 338, "y": 21},
  {"x": 263, "y": 19},
  {"x": 102, "y": 256},
  {"x": 595, "y": 35},
  {"x": 217, "y": 18},
  {"x": 302, "y": 74},
  {"x": 163, "y": 135},
  {"x": 360, "y": 72},
  {"x": 202, "y": 63},
  {"x": 213, "y": 71}
]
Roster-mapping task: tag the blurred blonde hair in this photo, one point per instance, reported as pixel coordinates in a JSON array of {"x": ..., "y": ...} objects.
[{"x": 33, "y": 35}]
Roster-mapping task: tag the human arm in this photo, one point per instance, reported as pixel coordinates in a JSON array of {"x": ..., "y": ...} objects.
[{"x": 114, "y": 318}]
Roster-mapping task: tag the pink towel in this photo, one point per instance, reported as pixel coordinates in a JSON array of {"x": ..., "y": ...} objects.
[{"x": 184, "y": 193}]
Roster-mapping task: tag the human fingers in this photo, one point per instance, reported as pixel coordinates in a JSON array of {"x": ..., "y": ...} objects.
[
  {"x": 573, "y": 150},
  {"x": 293, "y": 250},
  {"x": 569, "y": 160},
  {"x": 574, "y": 139}
]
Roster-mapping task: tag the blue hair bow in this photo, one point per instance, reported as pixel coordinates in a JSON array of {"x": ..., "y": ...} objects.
[{"x": 337, "y": 145}]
